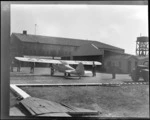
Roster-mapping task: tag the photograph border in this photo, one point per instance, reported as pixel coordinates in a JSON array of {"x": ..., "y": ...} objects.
[{"x": 5, "y": 43}]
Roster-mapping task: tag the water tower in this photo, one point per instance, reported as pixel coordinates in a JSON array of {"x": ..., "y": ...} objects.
[{"x": 142, "y": 46}]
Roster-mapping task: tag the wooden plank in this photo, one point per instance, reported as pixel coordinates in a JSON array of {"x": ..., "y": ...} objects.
[
  {"x": 51, "y": 106},
  {"x": 56, "y": 115},
  {"x": 19, "y": 91},
  {"x": 79, "y": 111},
  {"x": 43, "y": 104},
  {"x": 28, "y": 109},
  {"x": 40, "y": 107},
  {"x": 32, "y": 105}
]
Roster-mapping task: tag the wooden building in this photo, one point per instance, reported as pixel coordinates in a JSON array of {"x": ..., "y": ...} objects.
[
  {"x": 36, "y": 45},
  {"x": 125, "y": 63}
]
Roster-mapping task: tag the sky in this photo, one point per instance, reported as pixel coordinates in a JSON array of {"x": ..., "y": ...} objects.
[{"x": 117, "y": 25}]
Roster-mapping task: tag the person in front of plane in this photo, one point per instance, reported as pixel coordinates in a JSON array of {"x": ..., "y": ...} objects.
[
  {"x": 18, "y": 66},
  {"x": 113, "y": 70},
  {"x": 52, "y": 69},
  {"x": 94, "y": 69},
  {"x": 12, "y": 66},
  {"x": 32, "y": 67}
]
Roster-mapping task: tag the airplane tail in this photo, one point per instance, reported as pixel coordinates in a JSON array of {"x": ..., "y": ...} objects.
[{"x": 80, "y": 69}]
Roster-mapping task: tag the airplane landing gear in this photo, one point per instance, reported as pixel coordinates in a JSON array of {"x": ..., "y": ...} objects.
[
  {"x": 67, "y": 75},
  {"x": 79, "y": 76}
]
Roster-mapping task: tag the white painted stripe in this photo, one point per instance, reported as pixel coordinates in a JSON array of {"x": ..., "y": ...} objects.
[
  {"x": 76, "y": 84},
  {"x": 100, "y": 84},
  {"x": 46, "y": 85},
  {"x": 19, "y": 91}
]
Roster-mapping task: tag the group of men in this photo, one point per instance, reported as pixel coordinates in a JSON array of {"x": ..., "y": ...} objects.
[
  {"x": 18, "y": 63},
  {"x": 18, "y": 66}
]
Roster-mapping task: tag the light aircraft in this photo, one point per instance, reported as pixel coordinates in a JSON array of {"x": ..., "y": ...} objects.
[{"x": 62, "y": 65}]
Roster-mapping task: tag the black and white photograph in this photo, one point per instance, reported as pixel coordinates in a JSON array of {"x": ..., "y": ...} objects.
[{"x": 79, "y": 60}]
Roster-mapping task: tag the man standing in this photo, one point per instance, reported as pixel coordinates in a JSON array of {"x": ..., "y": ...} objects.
[
  {"x": 18, "y": 66},
  {"x": 113, "y": 70},
  {"x": 52, "y": 70},
  {"x": 94, "y": 69},
  {"x": 12, "y": 66},
  {"x": 32, "y": 67}
]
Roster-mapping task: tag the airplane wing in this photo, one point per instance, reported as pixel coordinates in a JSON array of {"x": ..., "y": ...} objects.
[
  {"x": 73, "y": 62},
  {"x": 25, "y": 59}
]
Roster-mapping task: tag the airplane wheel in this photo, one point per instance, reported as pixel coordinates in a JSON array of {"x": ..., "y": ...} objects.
[{"x": 79, "y": 76}]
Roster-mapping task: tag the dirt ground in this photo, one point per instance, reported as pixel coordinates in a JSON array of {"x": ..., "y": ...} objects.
[
  {"x": 42, "y": 75},
  {"x": 123, "y": 101}
]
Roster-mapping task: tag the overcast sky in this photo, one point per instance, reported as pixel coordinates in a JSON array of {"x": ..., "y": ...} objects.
[{"x": 117, "y": 25}]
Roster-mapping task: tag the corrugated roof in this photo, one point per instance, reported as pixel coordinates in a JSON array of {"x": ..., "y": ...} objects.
[
  {"x": 87, "y": 49},
  {"x": 62, "y": 41}
]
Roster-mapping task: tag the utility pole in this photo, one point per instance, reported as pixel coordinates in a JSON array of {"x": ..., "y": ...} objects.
[
  {"x": 140, "y": 34},
  {"x": 35, "y": 34},
  {"x": 35, "y": 28}
]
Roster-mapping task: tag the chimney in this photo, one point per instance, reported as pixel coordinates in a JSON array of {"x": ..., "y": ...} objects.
[{"x": 24, "y": 32}]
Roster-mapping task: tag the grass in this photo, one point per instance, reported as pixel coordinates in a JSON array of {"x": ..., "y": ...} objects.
[{"x": 124, "y": 101}]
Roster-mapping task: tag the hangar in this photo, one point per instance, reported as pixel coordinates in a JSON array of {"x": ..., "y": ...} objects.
[{"x": 67, "y": 48}]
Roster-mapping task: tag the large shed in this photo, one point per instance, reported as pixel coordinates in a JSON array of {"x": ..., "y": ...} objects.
[
  {"x": 67, "y": 48},
  {"x": 124, "y": 63}
]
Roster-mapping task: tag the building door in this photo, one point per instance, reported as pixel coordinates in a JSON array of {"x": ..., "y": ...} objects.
[{"x": 129, "y": 66}]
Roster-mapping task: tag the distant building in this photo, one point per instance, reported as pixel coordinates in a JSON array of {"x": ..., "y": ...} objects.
[
  {"x": 125, "y": 62},
  {"x": 142, "y": 46},
  {"x": 36, "y": 45}
]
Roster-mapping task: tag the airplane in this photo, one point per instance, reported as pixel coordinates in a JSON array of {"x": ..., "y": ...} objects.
[{"x": 63, "y": 65}]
